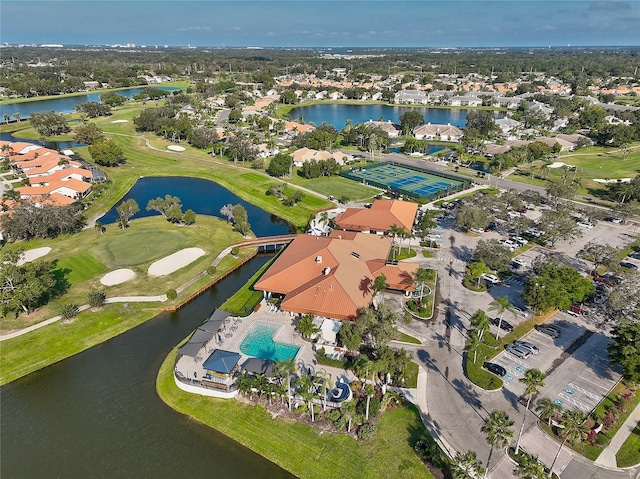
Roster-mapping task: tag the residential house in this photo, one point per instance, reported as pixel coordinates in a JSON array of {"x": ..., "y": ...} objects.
[
  {"x": 466, "y": 100},
  {"x": 411, "y": 97},
  {"x": 392, "y": 129},
  {"x": 431, "y": 131}
]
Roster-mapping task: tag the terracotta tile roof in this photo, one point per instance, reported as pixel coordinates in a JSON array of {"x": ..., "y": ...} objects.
[
  {"x": 332, "y": 276},
  {"x": 61, "y": 175},
  {"x": 380, "y": 217}
]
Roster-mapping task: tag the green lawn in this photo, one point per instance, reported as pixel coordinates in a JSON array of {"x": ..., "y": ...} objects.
[
  {"x": 336, "y": 186},
  {"x": 244, "y": 300},
  {"x": 141, "y": 246},
  {"x": 87, "y": 255},
  {"x": 629, "y": 453},
  {"x": 305, "y": 451},
  {"x": 81, "y": 266}
]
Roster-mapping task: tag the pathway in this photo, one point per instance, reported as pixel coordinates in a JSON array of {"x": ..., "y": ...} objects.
[{"x": 608, "y": 457}]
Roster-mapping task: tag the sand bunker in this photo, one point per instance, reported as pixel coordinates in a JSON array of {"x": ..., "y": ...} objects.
[
  {"x": 117, "y": 276},
  {"x": 175, "y": 261},
  {"x": 115, "y": 122},
  {"x": 617, "y": 180},
  {"x": 33, "y": 254},
  {"x": 557, "y": 164},
  {"x": 175, "y": 148}
]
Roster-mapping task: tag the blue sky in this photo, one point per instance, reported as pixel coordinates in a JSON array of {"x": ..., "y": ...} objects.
[{"x": 304, "y": 23}]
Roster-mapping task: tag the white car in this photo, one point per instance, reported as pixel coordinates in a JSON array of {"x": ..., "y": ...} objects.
[
  {"x": 490, "y": 278},
  {"x": 477, "y": 230},
  {"x": 582, "y": 224},
  {"x": 518, "y": 263}
]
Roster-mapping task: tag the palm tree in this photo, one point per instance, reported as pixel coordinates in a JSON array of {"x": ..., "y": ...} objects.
[
  {"x": 547, "y": 408},
  {"x": 533, "y": 379},
  {"x": 244, "y": 383},
  {"x": 379, "y": 285},
  {"x": 530, "y": 468},
  {"x": 283, "y": 369},
  {"x": 501, "y": 305},
  {"x": 473, "y": 344},
  {"x": 573, "y": 431},
  {"x": 324, "y": 218},
  {"x": 409, "y": 235},
  {"x": 402, "y": 233},
  {"x": 99, "y": 226},
  {"x": 17, "y": 116},
  {"x": 497, "y": 431},
  {"x": 477, "y": 269},
  {"x": 481, "y": 322},
  {"x": 420, "y": 277},
  {"x": 306, "y": 327},
  {"x": 305, "y": 389},
  {"x": 369, "y": 391},
  {"x": 466, "y": 465},
  {"x": 348, "y": 410},
  {"x": 324, "y": 378},
  {"x": 394, "y": 230}
]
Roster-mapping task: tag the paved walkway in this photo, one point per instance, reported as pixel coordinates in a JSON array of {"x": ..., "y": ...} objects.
[{"x": 608, "y": 457}]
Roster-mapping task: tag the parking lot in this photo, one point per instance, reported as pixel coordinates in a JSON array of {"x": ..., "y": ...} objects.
[{"x": 576, "y": 364}]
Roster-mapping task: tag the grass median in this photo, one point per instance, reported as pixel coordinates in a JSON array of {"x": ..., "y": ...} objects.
[{"x": 303, "y": 450}]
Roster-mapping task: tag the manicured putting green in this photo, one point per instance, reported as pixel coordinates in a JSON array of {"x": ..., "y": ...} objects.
[{"x": 143, "y": 246}]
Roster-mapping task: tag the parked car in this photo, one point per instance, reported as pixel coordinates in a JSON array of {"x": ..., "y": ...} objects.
[
  {"x": 554, "y": 333},
  {"x": 527, "y": 345},
  {"x": 635, "y": 255},
  {"x": 504, "y": 324},
  {"x": 518, "y": 351},
  {"x": 495, "y": 369},
  {"x": 628, "y": 264},
  {"x": 577, "y": 310},
  {"x": 518, "y": 263},
  {"x": 477, "y": 230},
  {"x": 614, "y": 219},
  {"x": 584, "y": 224},
  {"x": 490, "y": 278}
]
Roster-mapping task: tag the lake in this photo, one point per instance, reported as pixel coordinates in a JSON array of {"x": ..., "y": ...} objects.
[
  {"x": 202, "y": 196},
  {"x": 64, "y": 104},
  {"x": 337, "y": 114},
  {"x": 97, "y": 414}
]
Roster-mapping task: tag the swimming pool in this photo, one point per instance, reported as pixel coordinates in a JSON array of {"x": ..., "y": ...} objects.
[{"x": 259, "y": 343}]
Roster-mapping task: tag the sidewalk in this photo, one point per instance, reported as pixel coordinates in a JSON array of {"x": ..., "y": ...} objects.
[{"x": 608, "y": 457}]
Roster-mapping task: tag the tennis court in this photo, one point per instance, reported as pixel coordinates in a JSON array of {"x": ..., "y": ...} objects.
[{"x": 407, "y": 180}]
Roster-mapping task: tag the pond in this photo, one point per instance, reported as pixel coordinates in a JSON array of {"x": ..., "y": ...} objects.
[
  {"x": 64, "y": 104},
  {"x": 337, "y": 114},
  {"x": 202, "y": 196},
  {"x": 97, "y": 414}
]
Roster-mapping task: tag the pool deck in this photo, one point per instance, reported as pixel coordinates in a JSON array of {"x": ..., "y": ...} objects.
[{"x": 236, "y": 329}]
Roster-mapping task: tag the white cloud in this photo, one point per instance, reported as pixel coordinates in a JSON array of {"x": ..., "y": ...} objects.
[{"x": 193, "y": 29}]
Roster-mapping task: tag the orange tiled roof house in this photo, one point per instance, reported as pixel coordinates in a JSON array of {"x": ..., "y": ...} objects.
[{"x": 333, "y": 276}]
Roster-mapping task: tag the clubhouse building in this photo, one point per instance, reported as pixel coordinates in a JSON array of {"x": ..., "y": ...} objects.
[{"x": 333, "y": 276}]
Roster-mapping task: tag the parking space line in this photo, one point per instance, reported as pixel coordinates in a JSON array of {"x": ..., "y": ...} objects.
[
  {"x": 605, "y": 388},
  {"x": 568, "y": 399},
  {"x": 586, "y": 392}
]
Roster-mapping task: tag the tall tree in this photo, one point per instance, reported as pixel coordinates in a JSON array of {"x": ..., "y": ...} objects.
[
  {"x": 126, "y": 210},
  {"x": 24, "y": 286},
  {"x": 409, "y": 120},
  {"x": 530, "y": 467},
  {"x": 533, "y": 379},
  {"x": 466, "y": 465},
  {"x": 501, "y": 305},
  {"x": 548, "y": 409},
  {"x": 497, "y": 431},
  {"x": 481, "y": 322},
  {"x": 625, "y": 349},
  {"x": 241, "y": 220},
  {"x": 573, "y": 430},
  {"x": 380, "y": 285}
]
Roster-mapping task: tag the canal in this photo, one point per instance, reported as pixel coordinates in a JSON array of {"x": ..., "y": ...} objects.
[{"x": 97, "y": 414}]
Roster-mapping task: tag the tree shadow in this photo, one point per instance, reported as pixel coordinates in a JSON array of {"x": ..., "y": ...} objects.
[
  {"x": 463, "y": 253},
  {"x": 61, "y": 282},
  {"x": 365, "y": 286}
]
